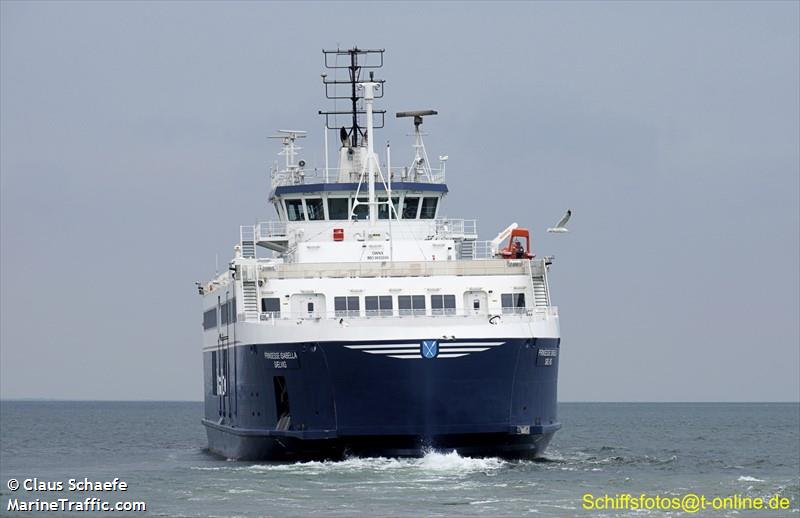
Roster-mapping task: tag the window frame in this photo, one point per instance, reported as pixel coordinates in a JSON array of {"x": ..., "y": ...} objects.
[
  {"x": 346, "y": 208},
  {"x": 350, "y": 310},
  {"x": 385, "y": 207},
  {"x": 416, "y": 305},
  {"x": 416, "y": 210},
  {"x": 422, "y": 207},
  {"x": 517, "y": 303},
  {"x": 302, "y": 208},
  {"x": 362, "y": 206},
  {"x": 442, "y": 301},
  {"x": 382, "y": 310},
  {"x": 270, "y": 312},
  {"x": 321, "y": 208}
]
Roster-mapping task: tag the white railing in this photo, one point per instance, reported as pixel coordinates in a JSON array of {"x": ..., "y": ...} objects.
[
  {"x": 289, "y": 270},
  {"x": 351, "y": 316},
  {"x": 483, "y": 250},
  {"x": 404, "y": 174},
  {"x": 299, "y": 177},
  {"x": 456, "y": 227},
  {"x": 312, "y": 176},
  {"x": 270, "y": 229},
  {"x": 445, "y": 227}
]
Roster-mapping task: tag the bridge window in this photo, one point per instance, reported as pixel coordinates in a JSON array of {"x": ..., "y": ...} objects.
[
  {"x": 314, "y": 209},
  {"x": 380, "y": 306},
  {"x": 337, "y": 208},
  {"x": 513, "y": 302},
  {"x": 428, "y": 208},
  {"x": 383, "y": 210},
  {"x": 443, "y": 304},
  {"x": 411, "y": 304},
  {"x": 410, "y": 205},
  {"x": 271, "y": 306},
  {"x": 294, "y": 210},
  {"x": 362, "y": 210},
  {"x": 346, "y": 306}
]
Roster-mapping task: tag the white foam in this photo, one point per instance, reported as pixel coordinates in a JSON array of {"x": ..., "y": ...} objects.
[
  {"x": 433, "y": 462},
  {"x": 480, "y": 502},
  {"x": 453, "y": 462},
  {"x": 745, "y": 478}
]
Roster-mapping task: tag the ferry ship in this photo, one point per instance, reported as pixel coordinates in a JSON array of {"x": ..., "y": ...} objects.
[{"x": 360, "y": 322}]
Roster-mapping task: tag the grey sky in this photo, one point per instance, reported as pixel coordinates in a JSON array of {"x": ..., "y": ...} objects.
[{"x": 134, "y": 143}]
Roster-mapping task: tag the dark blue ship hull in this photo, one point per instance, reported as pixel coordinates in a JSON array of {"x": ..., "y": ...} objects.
[{"x": 325, "y": 400}]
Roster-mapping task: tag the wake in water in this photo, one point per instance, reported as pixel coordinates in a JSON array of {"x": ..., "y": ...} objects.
[
  {"x": 450, "y": 463},
  {"x": 433, "y": 461}
]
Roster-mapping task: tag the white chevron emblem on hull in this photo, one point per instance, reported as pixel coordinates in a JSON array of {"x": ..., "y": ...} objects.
[{"x": 412, "y": 351}]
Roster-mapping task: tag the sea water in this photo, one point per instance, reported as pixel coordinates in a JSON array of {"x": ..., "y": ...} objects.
[{"x": 158, "y": 450}]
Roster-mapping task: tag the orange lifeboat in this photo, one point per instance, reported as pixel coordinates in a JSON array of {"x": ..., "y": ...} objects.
[{"x": 515, "y": 249}]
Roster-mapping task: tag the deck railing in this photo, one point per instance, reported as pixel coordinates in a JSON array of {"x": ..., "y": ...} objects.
[
  {"x": 488, "y": 267},
  {"x": 449, "y": 228},
  {"x": 483, "y": 250},
  {"x": 352, "y": 317},
  {"x": 456, "y": 227},
  {"x": 317, "y": 175},
  {"x": 270, "y": 229}
]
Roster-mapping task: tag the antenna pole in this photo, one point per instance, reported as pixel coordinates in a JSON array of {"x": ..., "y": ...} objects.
[
  {"x": 354, "y": 97},
  {"x": 325, "y": 132},
  {"x": 418, "y": 146},
  {"x": 389, "y": 180},
  {"x": 369, "y": 97}
]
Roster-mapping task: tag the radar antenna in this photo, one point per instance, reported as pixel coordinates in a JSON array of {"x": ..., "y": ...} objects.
[{"x": 421, "y": 164}]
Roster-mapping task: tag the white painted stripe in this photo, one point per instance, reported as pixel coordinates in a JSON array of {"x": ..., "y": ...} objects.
[
  {"x": 383, "y": 346},
  {"x": 452, "y": 355},
  {"x": 388, "y": 351},
  {"x": 405, "y": 356},
  {"x": 473, "y": 344},
  {"x": 463, "y": 349}
]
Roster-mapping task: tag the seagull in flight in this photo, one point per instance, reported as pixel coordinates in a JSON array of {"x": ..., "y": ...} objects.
[{"x": 560, "y": 226}]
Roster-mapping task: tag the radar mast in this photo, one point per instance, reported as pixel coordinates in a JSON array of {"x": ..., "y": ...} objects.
[{"x": 355, "y": 61}]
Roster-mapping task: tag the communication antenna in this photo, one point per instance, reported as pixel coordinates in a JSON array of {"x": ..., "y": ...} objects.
[
  {"x": 357, "y": 61},
  {"x": 290, "y": 148}
]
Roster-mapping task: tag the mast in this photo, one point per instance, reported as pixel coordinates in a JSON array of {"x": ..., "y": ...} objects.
[
  {"x": 421, "y": 165},
  {"x": 354, "y": 70},
  {"x": 289, "y": 151},
  {"x": 369, "y": 97},
  {"x": 357, "y": 61}
]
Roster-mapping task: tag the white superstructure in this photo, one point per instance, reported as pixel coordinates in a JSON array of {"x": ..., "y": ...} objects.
[{"x": 359, "y": 252}]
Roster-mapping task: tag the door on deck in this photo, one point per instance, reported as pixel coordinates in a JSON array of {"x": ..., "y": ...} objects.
[
  {"x": 308, "y": 305},
  {"x": 476, "y": 302}
]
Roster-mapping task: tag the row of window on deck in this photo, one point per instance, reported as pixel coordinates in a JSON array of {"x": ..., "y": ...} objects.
[
  {"x": 317, "y": 209},
  {"x": 375, "y": 305},
  {"x": 382, "y": 305}
]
